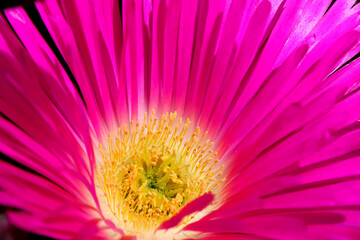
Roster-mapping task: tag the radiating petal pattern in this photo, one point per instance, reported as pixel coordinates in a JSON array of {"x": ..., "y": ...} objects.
[{"x": 274, "y": 83}]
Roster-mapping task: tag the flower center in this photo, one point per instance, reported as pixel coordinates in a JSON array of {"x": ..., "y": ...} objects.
[{"x": 150, "y": 172}]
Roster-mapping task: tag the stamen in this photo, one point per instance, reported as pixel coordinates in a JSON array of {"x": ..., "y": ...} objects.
[{"x": 148, "y": 173}]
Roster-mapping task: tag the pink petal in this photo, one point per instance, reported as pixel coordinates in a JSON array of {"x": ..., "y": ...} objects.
[{"x": 196, "y": 205}]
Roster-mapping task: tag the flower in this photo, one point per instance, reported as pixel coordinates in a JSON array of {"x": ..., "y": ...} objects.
[{"x": 271, "y": 89}]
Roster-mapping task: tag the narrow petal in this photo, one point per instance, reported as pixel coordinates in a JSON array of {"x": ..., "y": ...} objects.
[{"x": 196, "y": 205}]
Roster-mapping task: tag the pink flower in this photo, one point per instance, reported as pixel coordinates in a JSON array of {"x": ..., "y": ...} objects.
[{"x": 269, "y": 81}]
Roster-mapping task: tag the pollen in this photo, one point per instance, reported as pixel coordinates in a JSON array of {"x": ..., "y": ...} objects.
[{"x": 150, "y": 171}]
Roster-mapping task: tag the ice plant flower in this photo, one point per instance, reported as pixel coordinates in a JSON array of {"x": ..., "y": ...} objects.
[{"x": 209, "y": 119}]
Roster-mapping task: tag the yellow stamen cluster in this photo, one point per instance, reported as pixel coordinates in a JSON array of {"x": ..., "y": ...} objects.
[{"x": 150, "y": 172}]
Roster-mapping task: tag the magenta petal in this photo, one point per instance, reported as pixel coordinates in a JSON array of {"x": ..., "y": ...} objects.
[
  {"x": 237, "y": 18},
  {"x": 57, "y": 231},
  {"x": 74, "y": 30},
  {"x": 247, "y": 50},
  {"x": 264, "y": 78},
  {"x": 128, "y": 238},
  {"x": 170, "y": 50},
  {"x": 184, "y": 51},
  {"x": 49, "y": 209},
  {"x": 321, "y": 103},
  {"x": 209, "y": 19},
  {"x": 224, "y": 225},
  {"x": 196, "y": 205},
  {"x": 231, "y": 237}
]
